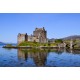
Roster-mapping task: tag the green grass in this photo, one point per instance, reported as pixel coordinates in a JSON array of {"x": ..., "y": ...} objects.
[
  {"x": 36, "y": 44},
  {"x": 9, "y": 45}
]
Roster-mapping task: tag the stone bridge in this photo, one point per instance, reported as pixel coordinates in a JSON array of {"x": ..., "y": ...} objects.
[{"x": 70, "y": 45}]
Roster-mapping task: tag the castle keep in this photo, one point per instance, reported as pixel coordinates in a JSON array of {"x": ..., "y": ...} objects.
[{"x": 39, "y": 35}]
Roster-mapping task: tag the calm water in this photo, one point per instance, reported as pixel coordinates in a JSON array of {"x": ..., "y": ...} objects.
[{"x": 45, "y": 58}]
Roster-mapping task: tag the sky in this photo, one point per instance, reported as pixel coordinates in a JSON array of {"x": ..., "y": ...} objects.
[{"x": 58, "y": 25}]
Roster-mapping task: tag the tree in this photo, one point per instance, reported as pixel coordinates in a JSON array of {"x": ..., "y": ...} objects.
[
  {"x": 48, "y": 43},
  {"x": 58, "y": 41}
]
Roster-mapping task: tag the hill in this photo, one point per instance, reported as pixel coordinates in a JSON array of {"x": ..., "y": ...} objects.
[
  {"x": 1, "y": 43},
  {"x": 74, "y": 37}
]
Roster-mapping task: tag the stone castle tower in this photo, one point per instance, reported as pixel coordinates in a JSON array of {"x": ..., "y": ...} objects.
[
  {"x": 22, "y": 38},
  {"x": 39, "y": 35}
]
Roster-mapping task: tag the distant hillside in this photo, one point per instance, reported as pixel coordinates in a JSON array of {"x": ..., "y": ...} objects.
[
  {"x": 51, "y": 40},
  {"x": 72, "y": 37},
  {"x": 67, "y": 38},
  {"x": 1, "y": 43}
]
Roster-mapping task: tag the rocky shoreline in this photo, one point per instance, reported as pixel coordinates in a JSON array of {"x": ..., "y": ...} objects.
[
  {"x": 41, "y": 47},
  {"x": 31, "y": 47}
]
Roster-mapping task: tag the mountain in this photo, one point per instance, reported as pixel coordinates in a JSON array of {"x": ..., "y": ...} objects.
[
  {"x": 67, "y": 38},
  {"x": 72, "y": 37},
  {"x": 51, "y": 40},
  {"x": 1, "y": 43}
]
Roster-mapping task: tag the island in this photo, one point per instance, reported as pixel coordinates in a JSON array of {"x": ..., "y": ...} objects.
[{"x": 39, "y": 40}]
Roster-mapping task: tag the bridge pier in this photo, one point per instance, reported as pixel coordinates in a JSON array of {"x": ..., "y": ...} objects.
[{"x": 71, "y": 44}]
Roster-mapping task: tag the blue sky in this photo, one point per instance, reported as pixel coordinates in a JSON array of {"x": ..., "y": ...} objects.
[{"x": 58, "y": 25}]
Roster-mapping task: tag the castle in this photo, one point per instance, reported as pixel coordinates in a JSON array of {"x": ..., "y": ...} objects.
[{"x": 39, "y": 35}]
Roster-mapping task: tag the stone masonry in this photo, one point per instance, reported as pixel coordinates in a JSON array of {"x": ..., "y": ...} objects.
[{"x": 39, "y": 35}]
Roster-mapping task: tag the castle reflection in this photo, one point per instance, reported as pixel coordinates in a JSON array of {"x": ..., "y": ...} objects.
[
  {"x": 39, "y": 57},
  {"x": 22, "y": 55}
]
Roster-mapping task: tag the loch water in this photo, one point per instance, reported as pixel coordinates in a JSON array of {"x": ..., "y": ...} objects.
[{"x": 39, "y": 58}]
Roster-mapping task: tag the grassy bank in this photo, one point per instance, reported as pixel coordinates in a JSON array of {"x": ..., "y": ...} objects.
[{"x": 36, "y": 44}]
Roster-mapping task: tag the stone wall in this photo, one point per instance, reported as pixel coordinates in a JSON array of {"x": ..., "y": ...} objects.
[
  {"x": 39, "y": 35},
  {"x": 22, "y": 38}
]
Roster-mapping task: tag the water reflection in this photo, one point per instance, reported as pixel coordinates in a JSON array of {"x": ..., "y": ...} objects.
[
  {"x": 22, "y": 54},
  {"x": 42, "y": 57},
  {"x": 39, "y": 57},
  {"x": 73, "y": 51}
]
